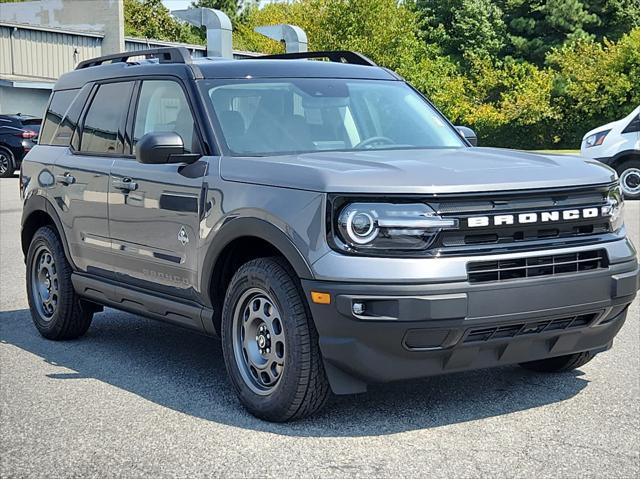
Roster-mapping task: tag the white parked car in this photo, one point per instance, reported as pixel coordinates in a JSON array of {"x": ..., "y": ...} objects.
[{"x": 617, "y": 144}]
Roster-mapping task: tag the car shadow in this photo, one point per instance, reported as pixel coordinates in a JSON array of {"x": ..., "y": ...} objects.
[{"x": 184, "y": 371}]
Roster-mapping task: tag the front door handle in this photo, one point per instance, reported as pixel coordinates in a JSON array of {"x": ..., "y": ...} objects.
[
  {"x": 126, "y": 184},
  {"x": 66, "y": 179}
]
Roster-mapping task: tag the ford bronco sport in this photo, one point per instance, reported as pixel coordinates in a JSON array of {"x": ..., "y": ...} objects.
[{"x": 322, "y": 218}]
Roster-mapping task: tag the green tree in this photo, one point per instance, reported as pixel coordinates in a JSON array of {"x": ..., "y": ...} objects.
[
  {"x": 522, "y": 29},
  {"x": 230, "y": 7},
  {"x": 151, "y": 19},
  {"x": 595, "y": 83},
  {"x": 537, "y": 26},
  {"x": 617, "y": 17},
  {"x": 465, "y": 28}
]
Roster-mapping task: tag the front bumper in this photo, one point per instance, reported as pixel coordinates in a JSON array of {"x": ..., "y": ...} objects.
[{"x": 416, "y": 330}]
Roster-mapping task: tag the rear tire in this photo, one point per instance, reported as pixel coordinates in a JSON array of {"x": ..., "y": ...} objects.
[
  {"x": 270, "y": 343},
  {"x": 559, "y": 364},
  {"x": 7, "y": 163},
  {"x": 629, "y": 173},
  {"x": 57, "y": 311}
]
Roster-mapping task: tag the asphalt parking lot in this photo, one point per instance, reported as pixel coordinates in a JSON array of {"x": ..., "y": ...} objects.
[{"x": 140, "y": 398}]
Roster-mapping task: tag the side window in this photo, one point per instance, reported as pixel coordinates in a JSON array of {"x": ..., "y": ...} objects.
[
  {"x": 60, "y": 102},
  {"x": 100, "y": 132},
  {"x": 162, "y": 106},
  {"x": 66, "y": 135}
]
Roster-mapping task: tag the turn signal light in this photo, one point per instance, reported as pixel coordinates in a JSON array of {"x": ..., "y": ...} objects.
[{"x": 320, "y": 298}]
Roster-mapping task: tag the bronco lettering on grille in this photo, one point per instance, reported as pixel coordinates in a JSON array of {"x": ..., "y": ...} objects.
[{"x": 529, "y": 218}]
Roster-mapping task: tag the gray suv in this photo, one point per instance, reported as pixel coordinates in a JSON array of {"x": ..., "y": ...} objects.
[{"x": 322, "y": 218}]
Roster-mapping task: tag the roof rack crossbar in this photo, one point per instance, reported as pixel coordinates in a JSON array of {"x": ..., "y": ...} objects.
[
  {"x": 338, "y": 56},
  {"x": 164, "y": 55}
]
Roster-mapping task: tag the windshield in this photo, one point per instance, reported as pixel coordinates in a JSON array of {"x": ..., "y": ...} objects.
[{"x": 280, "y": 116}]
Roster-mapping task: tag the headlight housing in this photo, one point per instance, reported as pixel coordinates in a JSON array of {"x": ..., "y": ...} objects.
[
  {"x": 596, "y": 139},
  {"x": 387, "y": 228},
  {"x": 614, "y": 208}
]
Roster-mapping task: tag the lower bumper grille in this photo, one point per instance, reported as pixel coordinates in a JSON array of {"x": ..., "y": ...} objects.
[
  {"x": 518, "y": 268},
  {"x": 523, "y": 329}
]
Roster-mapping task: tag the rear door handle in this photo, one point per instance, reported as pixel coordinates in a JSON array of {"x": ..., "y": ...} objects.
[
  {"x": 126, "y": 184},
  {"x": 66, "y": 179}
]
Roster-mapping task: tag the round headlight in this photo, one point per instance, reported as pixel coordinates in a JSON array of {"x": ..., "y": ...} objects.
[
  {"x": 360, "y": 226},
  {"x": 387, "y": 227}
]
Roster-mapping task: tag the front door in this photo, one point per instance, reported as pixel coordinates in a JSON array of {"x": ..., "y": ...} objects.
[{"x": 154, "y": 209}]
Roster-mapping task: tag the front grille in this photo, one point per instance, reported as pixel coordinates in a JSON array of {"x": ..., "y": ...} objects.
[
  {"x": 480, "y": 335},
  {"x": 536, "y": 266},
  {"x": 518, "y": 235}
]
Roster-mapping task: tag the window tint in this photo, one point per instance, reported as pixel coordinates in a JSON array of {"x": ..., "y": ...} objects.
[
  {"x": 163, "y": 107},
  {"x": 101, "y": 124},
  {"x": 60, "y": 102}
]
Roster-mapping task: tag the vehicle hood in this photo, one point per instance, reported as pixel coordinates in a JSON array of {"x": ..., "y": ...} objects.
[{"x": 421, "y": 171}]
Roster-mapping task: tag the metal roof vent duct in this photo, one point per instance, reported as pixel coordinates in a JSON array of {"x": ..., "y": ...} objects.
[
  {"x": 218, "y": 25},
  {"x": 294, "y": 38}
]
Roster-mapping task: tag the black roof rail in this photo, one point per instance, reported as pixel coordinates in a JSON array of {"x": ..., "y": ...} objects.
[
  {"x": 337, "y": 56},
  {"x": 164, "y": 55}
]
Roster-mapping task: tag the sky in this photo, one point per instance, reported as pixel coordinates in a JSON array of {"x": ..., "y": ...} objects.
[
  {"x": 176, "y": 4},
  {"x": 180, "y": 4}
]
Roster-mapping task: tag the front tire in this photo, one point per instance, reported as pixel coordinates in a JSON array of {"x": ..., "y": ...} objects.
[
  {"x": 270, "y": 343},
  {"x": 57, "y": 311},
  {"x": 629, "y": 173},
  {"x": 559, "y": 364}
]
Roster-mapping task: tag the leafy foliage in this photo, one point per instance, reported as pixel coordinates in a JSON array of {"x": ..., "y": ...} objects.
[
  {"x": 230, "y": 7},
  {"x": 523, "y": 73},
  {"x": 151, "y": 19},
  {"x": 596, "y": 83},
  {"x": 524, "y": 29}
]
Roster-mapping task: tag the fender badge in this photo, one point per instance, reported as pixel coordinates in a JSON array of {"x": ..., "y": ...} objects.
[{"x": 183, "y": 238}]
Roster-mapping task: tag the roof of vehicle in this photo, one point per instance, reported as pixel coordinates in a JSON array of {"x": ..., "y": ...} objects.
[
  {"x": 18, "y": 117},
  {"x": 255, "y": 68},
  {"x": 283, "y": 66}
]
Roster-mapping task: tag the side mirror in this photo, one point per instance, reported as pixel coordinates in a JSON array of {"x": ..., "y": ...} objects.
[
  {"x": 468, "y": 134},
  {"x": 162, "y": 147}
]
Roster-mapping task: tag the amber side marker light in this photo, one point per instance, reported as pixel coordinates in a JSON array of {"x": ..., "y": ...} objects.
[{"x": 320, "y": 298}]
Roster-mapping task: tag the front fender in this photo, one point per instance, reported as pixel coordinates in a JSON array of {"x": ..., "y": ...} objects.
[{"x": 242, "y": 227}]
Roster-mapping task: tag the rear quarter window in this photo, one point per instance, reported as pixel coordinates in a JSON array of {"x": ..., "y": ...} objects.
[{"x": 58, "y": 106}]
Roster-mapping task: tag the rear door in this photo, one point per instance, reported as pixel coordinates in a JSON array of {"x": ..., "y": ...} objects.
[
  {"x": 154, "y": 209},
  {"x": 82, "y": 176}
]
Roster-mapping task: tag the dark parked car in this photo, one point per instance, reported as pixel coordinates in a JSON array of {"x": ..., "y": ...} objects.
[{"x": 18, "y": 134}]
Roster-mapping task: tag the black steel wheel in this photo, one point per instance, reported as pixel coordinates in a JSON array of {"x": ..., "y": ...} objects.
[
  {"x": 258, "y": 341},
  {"x": 44, "y": 282}
]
